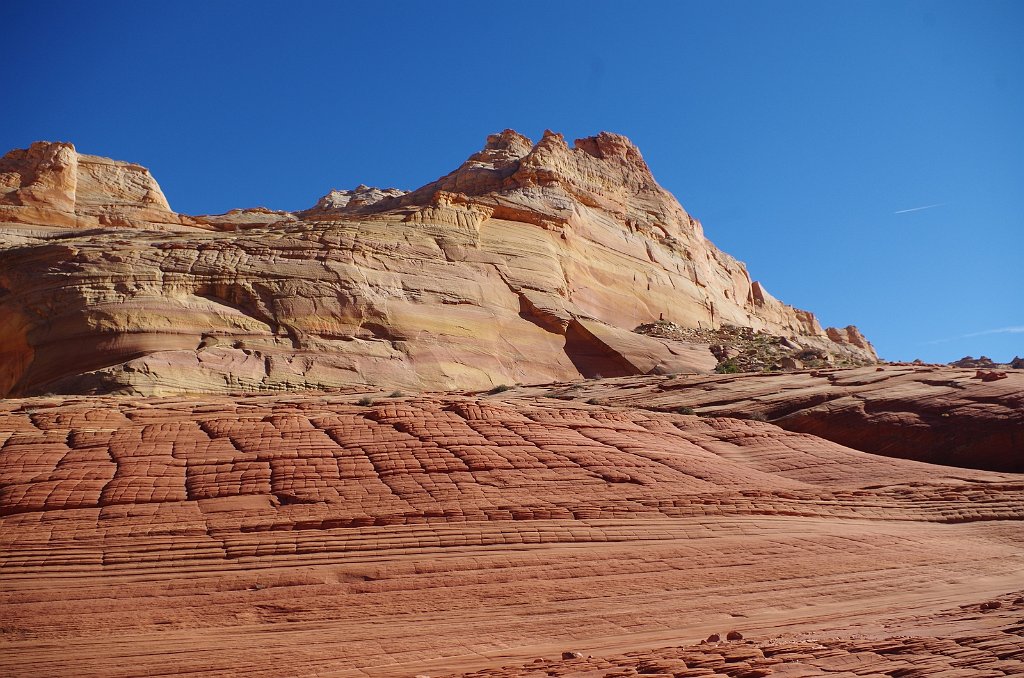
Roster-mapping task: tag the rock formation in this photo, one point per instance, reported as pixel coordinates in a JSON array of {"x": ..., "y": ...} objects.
[
  {"x": 940, "y": 415},
  {"x": 741, "y": 349},
  {"x": 51, "y": 184},
  {"x": 529, "y": 263},
  {"x": 587, "y": 527},
  {"x": 303, "y": 534}
]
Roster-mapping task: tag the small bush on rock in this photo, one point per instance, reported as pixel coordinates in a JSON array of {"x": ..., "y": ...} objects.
[{"x": 727, "y": 367}]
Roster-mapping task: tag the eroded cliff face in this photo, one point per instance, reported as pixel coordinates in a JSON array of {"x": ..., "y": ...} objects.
[
  {"x": 529, "y": 263},
  {"x": 50, "y": 184}
]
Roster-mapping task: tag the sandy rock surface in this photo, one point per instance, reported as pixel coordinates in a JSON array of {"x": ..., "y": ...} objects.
[
  {"x": 961, "y": 642},
  {"x": 307, "y": 535}
]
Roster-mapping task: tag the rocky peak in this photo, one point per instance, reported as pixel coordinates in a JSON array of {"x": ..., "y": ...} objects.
[
  {"x": 50, "y": 183},
  {"x": 502, "y": 150},
  {"x": 358, "y": 199},
  {"x": 605, "y": 155},
  {"x": 604, "y": 171},
  {"x": 552, "y": 180},
  {"x": 44, "y": 174}
]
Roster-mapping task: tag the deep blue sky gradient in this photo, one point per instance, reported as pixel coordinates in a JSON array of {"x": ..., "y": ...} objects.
[{"x": 794, "y": 131}]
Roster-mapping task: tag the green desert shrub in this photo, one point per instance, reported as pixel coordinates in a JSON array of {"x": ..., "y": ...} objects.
[{"x": 727, "y": 367}]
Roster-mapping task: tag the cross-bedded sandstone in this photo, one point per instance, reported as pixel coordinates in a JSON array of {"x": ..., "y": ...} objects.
[
  {"x": 529, "y": 263},
  {"x": 305, "y": 534},
  {"x": 936, "y": 414}
]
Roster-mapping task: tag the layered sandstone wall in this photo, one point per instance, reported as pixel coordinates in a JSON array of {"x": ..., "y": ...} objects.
[
  {"x": 529, "y": 263},
  {"x": 51, "y": 184}
]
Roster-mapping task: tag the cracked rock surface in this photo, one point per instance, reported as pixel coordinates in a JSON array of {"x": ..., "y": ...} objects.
[{"x": 305, "y": 534}]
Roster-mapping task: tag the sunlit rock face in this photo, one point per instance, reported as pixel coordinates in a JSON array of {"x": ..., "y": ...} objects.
[
  {"x": 529, "y": 263},
  {"x": 50, "y": 184}
]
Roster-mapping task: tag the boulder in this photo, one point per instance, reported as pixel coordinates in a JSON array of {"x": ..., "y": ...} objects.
[{"x": 788, "y": 363}]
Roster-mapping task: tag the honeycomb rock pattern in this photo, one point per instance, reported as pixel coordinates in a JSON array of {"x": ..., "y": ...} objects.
[{"x": 301, "y": 535}]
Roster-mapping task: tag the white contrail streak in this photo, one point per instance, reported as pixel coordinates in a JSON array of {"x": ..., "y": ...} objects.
[
  {"x": 918, "y": 209},
  {"x": 1019, "y": 329}
]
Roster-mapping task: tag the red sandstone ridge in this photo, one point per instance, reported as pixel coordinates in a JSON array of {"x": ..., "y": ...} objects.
[
  {"x": 938, "y": 415},
  {"x": 529, "y": 263}
]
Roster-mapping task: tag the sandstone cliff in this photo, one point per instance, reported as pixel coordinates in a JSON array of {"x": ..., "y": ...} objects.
[
  {"x": 50, "y": 184},
  {"x": 529, "y": 263}
]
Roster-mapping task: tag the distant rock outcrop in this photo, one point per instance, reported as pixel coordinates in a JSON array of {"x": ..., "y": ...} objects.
[
  {"x": 969, "y": 361},
  {"x": 529, "y": 263}
]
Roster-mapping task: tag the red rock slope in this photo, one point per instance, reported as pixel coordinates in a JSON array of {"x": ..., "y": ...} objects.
[
  {"x": 939, "y": 415},
  {"x": 529, "y": 263},
  {"x": 304, "y": 535}
]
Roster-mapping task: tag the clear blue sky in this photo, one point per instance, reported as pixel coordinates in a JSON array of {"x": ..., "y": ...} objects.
[{"x": 798, "y": 132}]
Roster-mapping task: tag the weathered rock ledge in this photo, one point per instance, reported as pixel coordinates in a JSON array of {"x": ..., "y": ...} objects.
[{"x": 940, "y": 415}]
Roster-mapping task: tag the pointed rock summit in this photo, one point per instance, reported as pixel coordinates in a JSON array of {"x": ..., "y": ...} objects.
[{"x": 531, "y": 262}]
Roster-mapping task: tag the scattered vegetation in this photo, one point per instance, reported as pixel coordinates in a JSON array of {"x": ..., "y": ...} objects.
[
  {"x": 594, "y": 401},
  {"x": 396, "y": 394},
  {"x": 743, "y": 349},
  {"x": 684, "y": 410},
  {"x": 727, "y": 366},
  {"x": 365, "y": 401},
  {"x": 500, "y": 388}
]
